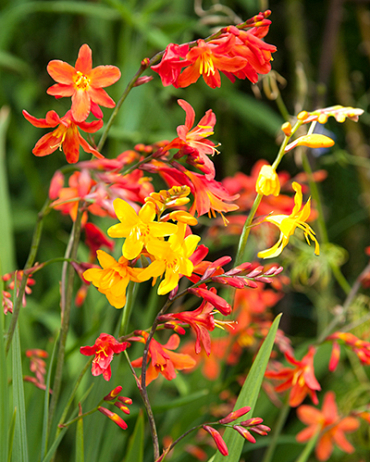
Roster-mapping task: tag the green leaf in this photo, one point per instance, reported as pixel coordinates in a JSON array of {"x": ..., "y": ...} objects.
[
  {"x": 4, "y": 400},
  {"x": 248, "y": 395},
  {"x": 20, "y": 449},
  {"x": 135, "y": 451},
  {"x": 44, "y": 441},
  {"x": 11, "y": 435},
  {"x": 55, "y": 445},
  {"x": 6, "y": 241},
  {"x": 80, "y": 457}
]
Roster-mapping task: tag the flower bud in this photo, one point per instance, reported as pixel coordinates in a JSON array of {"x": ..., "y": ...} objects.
[
  {"x": 113, "y": 394},
  {"x": 287, "y": 128},
  {"x": 114, "y": 417},
  {"x": 268, "y": 181},
  {"x": 235, "y": 415},
  {"x": 220, "y": 443},
  {"x": 245, "y": 433}
]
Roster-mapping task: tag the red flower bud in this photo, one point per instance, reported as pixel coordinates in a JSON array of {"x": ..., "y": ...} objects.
[
  {"x": 245, "y": 433},
  {"x": 114, "y": 417},
  {"x": 220, "y": 443},
  {"x": 235, "y": 415},
  {"x": 113, "y": 394}
]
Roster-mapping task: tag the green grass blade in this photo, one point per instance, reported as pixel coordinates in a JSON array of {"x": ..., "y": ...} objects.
[
  {"x": 4, "y": 400},
  {"x": 135, "y": 451},
  {"x": 11, "y": 435},
  {"x": 44, "y": 441},
  {"x": 80, "y": 455},
  {"x": 6, "y": 241},
  {"x": 55, "y": 445},
  {"x": 248, "y": 395},
  {"x": 20, "y": 449}
]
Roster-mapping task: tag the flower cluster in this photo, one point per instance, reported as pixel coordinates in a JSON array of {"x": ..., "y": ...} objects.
[{"x": 84, "y": 85}]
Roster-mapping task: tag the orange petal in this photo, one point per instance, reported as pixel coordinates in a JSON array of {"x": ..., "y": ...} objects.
[
  {"x": 60, "y": 90},
  {"x": 80, "y": 105},
  {"x": 103, "y": 76},
  {"x": 60, "y": 71},
  {"x": 309, "y": 415},
  {"x": 84, "y": 60},
  {"x": 100, "y": 96}
]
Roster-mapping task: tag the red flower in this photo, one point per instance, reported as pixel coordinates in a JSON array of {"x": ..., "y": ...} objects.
[
  {"x": 66, "y": 136},
  {"x": 207, "y": 59},
  {"x": 301, "y": 379},
  {"x": 171, "y": 64},
  {"x": 201, "y": 320},
  {"x": 163, "y": 360},
  {"x": 333, "y": 427},
  {"x": 83, "y": 83},
  {"x": 191, "y": 142},
  {"x": 104, "y": 348}
]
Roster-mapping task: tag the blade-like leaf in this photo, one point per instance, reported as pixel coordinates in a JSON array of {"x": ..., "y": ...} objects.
[
  {"x": 248, "y": 395},
  {"x": 135, "y": 452},
  {"x": 4, "y": 403},
  {"x": 20, "y": 448}
]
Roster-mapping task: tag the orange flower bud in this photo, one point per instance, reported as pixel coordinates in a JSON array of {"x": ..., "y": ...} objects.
[
  {"x": 113, "y": 394},
  {"x": 268, "y": 182},
  {"x": 114, "y": 417},
  {"x": 220, "y": 443},
  {"x": 287, "y": 128},
  {"x": 302, "y": 115},
  {"x": 235, "y": 415}
]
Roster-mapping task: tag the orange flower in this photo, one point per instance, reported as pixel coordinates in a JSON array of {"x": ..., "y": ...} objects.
[
  {"x": 66, "y": 136},
  {"x": 333, "y": 427},
  {"x": 163, "y": 360},
  {"x": 301, "y": 380},
  {"x": 104, "y": 349},
  {"x": 83, "y": 83}
]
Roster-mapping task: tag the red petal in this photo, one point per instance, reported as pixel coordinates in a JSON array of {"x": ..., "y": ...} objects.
[
  {"x": 46, "y": 145},
  {"x": 87, "y": 148},
  {"x": 71, "y": 146},
  {"x": 61, "y": 72},
  {"x": 43, "y": 123},
  {"x": 100, "y": 96},
  {"x": 88, "y": 350},
  {"x": 190, "y": 114},
  {"x": 60, "y": 90}
]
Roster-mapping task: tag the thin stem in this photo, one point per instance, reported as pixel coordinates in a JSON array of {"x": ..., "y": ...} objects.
[
  {"x": 284, "y": 411},
  {"x": 66, "y": 304},
  {"x": 130, "y": 300},
  {"x": 309, "y": 447},
  {"x": 30, "y": 260},
  {"x": 81, "y": 416}
]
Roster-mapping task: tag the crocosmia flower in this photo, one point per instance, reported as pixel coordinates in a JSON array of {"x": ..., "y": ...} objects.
[
  {"x": 172, "y": 62},
  {"x": 191, "y": 141},
  {"x": 268, "y": 181},
  {"x": 83, "y": 83},
  {"x": 300, "y": 380},
  {"x": 138, "y": 229},
  {"x": 112, "y": 280},
  {"x": 333, "y": 427},
  {"x": 288, "y": 224},
  {"x": 66, "y": 136},
  {"x": 163, "y": 360},
  {"x": 104, "y": 349}
]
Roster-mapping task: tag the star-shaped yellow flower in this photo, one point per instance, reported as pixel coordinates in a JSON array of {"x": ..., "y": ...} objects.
[{"x": 288, "y": 223}]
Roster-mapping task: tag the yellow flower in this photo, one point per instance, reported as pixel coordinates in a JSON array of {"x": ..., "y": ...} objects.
[
  {"x": 268, "y": 181},
  {"x": 288, "y": 224},
  {"x": 113, "y": 279},
  {"x": 171, "y": 258},
  {"x": 138, "y": 229}
]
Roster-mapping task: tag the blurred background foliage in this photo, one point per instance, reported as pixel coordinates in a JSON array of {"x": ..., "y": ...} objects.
[{"x": 322, "y": 60}]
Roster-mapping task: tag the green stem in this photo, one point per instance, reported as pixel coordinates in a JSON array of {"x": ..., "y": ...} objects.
[
  {"x": 66, "y": 304},
  {"x": 30, "y": 260},
  {"x": 81, "y": 416},
  {"x": 284, "y": 411},
  {"x": 309, "y": 447},
  {"x": 130, "y": 300}
]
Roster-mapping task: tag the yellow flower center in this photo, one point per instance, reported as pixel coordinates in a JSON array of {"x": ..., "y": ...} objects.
[
  {"x": 81, "y": 81},
  {"x": 206, "y": 65}
]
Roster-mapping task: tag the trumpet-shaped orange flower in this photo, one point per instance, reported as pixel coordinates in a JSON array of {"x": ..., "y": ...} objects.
[
  {"x": 191, "y": 141},
  {"x": 163, "y": 360},
  {"x": 301, "y": 380},
  {"x": 66, "y": 136},
  {"x": 288, "y": 224},
  {"x": 138, "y": 229},
  {"x": 172, "y": 258},
  {"x": 113, "y": 279},
  {"x": 104, "y": 349},
  {"x": 332, "y": 426},
  {"x": 83, "y": 83}
]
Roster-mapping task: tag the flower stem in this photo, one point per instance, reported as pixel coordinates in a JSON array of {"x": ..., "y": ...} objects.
[
  {"x": 30, "y": 260},
  {"x": 309, "y": 447},
  {"x": 284, "y": 411},
  {"x": 66, "y": 304},
  {"x": 130, "y": 300}
]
